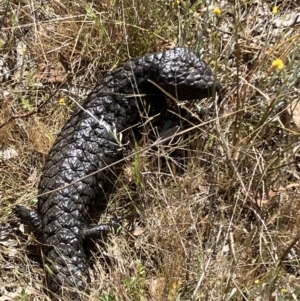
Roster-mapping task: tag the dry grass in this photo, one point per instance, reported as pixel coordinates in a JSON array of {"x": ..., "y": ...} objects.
[{"x": 212, "y": 218}]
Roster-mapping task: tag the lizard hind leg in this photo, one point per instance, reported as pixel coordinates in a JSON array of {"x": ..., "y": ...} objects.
[
  {"x": 114, "y": 226},
  {"x": 30, "y": 217}
]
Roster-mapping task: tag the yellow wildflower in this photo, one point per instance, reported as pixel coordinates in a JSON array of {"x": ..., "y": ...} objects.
[
  {"x": 217, "y": 11},
  {"x": 284, "y": 290},
  {"x": 62, "y": 102},
  {"x": 176, "y": 3},
  {"x": 256, "y": 281},
  {"x": 275, "y": 10},
  {"x": 278, "y": 64}
]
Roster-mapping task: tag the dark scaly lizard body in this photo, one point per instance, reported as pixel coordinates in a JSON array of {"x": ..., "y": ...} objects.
[{"x": 86, "y": 144}]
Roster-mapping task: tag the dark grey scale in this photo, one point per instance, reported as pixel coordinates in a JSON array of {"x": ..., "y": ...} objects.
[{"x": 85, "y": 145}]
